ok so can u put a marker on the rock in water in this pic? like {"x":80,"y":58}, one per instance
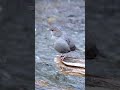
{"x":70,"y":66}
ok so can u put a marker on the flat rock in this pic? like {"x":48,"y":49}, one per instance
{"x":70,"y":66}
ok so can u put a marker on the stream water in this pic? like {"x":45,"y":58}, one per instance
{"x":69,"y":15}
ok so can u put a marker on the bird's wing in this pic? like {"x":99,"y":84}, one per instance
{"x":70,"y":42}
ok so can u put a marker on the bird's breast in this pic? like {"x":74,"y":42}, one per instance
{"x":61,"y":46}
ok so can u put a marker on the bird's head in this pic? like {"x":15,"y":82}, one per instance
{"x":56,"y":32}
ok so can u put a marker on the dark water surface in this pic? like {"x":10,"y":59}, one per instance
{"x":70,"y":17}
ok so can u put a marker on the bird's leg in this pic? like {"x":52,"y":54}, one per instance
{"x":62,"y":56}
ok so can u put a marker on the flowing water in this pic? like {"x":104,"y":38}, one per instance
{"x":69,"y":15}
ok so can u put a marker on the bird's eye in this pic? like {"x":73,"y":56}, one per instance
{"x":52,"y":30}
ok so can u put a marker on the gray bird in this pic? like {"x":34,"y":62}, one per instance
{"x":62,"y":42}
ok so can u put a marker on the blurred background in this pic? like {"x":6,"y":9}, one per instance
{"x":69,"y":16}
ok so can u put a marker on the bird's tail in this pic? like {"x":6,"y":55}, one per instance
{"x":79,"y":49}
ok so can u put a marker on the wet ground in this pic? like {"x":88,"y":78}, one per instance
{"x":70,"y":17}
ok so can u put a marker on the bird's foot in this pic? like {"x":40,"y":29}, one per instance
{"x":62,"y":57}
